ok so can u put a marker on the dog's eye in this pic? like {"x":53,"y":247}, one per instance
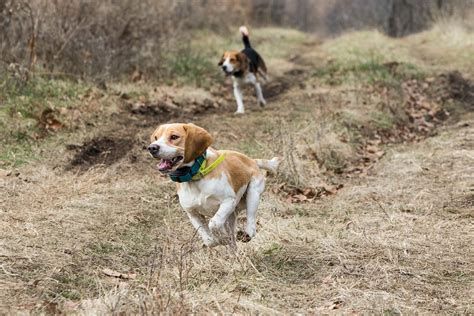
{"x":156,"y":138}
{"x":174,"y":137}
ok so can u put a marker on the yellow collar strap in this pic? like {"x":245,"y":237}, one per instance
{"x":204,"y":171}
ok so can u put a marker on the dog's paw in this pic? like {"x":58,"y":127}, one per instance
{"x":262,"y":103}
{"x":216,"y":229}
{"x":209,"y":242}
{"x":239,"y":113}
{"x":243,"y":236}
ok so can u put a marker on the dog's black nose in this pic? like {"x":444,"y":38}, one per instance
{"x":224,"y":67}
{"x":153,"y":149}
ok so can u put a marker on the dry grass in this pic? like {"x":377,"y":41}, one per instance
{"x":395,"y":240}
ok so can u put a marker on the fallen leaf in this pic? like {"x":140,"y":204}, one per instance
{"x":49,"y":121}
{"x":335,"y":305}
{"x":116,"y":274}
{"x":300,"y":197}
{"x":379,"y":153}
{"x":372,"y":149}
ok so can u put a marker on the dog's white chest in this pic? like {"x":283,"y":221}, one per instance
{"x":204,"y":196}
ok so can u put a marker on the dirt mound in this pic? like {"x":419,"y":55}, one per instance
{"x":459,"y":88}
{"x":171,"y":102}
{"x":99,"y":151}
{"x":275,"y":88}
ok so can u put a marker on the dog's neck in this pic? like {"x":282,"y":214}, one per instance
{"x":186,"y":173}
{"x":238,"y":74}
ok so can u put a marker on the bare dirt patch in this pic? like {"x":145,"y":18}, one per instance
{"x":277,"y":87}
{"x":99,"y":151}
{"x":166,"y":103}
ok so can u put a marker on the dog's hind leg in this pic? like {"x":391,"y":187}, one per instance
{"x":258,"y":89}
{"x":254,"y":191}
{"x":251,"y":78}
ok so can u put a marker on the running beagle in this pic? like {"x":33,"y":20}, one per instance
{"x":212,"y":184}
{"x":244,"y":67}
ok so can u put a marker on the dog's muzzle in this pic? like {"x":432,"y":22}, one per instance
{"x":226,"y":70}
{"x":154,"y":150}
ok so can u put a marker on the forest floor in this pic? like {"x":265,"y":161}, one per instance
{"x":372,"y":210}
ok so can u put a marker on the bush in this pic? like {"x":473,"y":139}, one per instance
{"x":101,"y":39}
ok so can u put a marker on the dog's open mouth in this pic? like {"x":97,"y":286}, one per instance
{"x":167,"y":164}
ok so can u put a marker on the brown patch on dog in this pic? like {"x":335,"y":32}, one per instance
{"x":238,"y":168}
{"x":175,"y":134}
{"x":243,"y":62}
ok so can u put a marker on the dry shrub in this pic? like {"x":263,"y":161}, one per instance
{"x":100,"y":39}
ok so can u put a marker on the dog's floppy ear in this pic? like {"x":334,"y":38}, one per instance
{"x":221,"y":61}
{"x":243,"y":60}
{"x":197,"y":141}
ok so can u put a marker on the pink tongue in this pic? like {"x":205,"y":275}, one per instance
{"x":165,"y":164}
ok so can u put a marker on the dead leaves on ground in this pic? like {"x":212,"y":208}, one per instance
{"x":423,"y":112}
{"x":49,"y":122}
{"x":424,"y":115}
{"x":119,"y":275}
{"x":295,"y":194}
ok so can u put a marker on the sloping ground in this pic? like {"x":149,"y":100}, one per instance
{"x":372,"y":211}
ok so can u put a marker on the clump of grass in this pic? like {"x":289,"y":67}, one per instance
{"x":331,"y":153}
{"x":383,"y":120}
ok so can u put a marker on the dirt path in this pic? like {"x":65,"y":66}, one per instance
{"x":93,"y":228}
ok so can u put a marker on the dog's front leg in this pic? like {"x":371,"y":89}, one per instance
{"x":198,"y":223}
{"x":217,"y":222}
{"x":238,"y":97}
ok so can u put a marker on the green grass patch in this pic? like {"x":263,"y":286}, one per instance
{"x":188,"y":67}
{"x":27,"y":99}
{"x":21,"y":105}
{"x":15,"y":155}
{"x":383,"y":120}
{"x":372,"y":72}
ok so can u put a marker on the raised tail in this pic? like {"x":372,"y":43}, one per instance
{"x":270,"y":165}
{"x":245,"y":36}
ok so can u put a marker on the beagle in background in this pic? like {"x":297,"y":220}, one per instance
{"x":212,"y":184}
{"x":244,"y":67}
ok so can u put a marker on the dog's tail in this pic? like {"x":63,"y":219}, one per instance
{"x":245,"y":36}
{"x":270,"y":165}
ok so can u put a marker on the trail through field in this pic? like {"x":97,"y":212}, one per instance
{"x":371,"y":212}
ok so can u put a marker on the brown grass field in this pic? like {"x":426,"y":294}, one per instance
{"x":372,"y":211}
